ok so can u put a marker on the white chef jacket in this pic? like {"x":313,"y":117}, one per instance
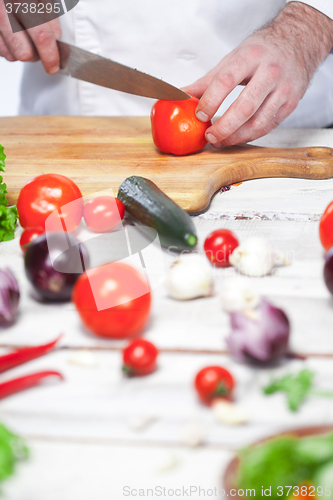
{"x":177,"y":40}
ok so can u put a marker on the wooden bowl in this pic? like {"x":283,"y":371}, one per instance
{"x":230,"y":474}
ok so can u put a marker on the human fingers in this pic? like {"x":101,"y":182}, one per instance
{"x":18,"y":44}
{"x":232,"y":73}
{"x":272,"y":112}
{"x":4,"y":50}
{"x":245,"y":107}
{"x":44,"y":39}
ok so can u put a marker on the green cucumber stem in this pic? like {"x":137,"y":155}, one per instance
{"x":191,"y":240}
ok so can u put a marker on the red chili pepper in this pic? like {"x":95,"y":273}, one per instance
{"x":22,"y":383}
{"x":24,"y":355}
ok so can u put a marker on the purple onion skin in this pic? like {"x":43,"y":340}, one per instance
{"x":328,"y":270}
{"x":9,"y":296}
{"x":52,"y":284}
{"x":261,"y":341}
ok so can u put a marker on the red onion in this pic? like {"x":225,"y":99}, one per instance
{"x":328,"y":270}
{"x":9,"y":296}
{"x":53,"y":263}
{"x":261,"y":336}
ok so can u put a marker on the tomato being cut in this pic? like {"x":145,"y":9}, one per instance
{"x":113,"y":300}
{"x":30,"y":234}
{"x":176,"y":129}
{"x":139,"y":357}
{"x":326,"y":227}
{"x":214,"y":382}
{"x":103,"y":213}
{"x":45,"y":194}
{"x":219,"y":245}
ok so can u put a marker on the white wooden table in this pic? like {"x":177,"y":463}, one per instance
{"x":84,"y":434}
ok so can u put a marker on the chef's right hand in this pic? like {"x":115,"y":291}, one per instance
{"x":32,"y":44}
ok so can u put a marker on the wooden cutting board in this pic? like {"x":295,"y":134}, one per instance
{"x":99,"y":153}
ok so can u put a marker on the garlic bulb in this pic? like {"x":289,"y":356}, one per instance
{"x":189,"y":277}
{"x":255,"y":257}
{"x":237,"y":294}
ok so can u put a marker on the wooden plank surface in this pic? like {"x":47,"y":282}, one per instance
{"x":99,"y":153}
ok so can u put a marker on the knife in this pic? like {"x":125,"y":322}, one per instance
{"x":92,"y":68}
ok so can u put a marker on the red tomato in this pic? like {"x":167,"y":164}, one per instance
{"x":175,"y":127}
{"x":213,"y":382}
{"x":219,"y":245}
{"x":326,"y":227}
{"x":29,"y":235}
{"x":139,"y":357}
{"x":44,"y":194}
{"x":103,"y":213}
{"x":113,"y":300}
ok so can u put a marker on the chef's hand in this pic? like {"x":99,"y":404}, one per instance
{"x":32,"y":44}
{"x":275,"y":64}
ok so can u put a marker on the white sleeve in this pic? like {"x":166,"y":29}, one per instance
{"x":324,"y":6}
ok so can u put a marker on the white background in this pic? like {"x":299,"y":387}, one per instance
{"x":10,"y":77}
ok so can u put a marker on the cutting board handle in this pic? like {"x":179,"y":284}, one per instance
{"x":259,"y":163}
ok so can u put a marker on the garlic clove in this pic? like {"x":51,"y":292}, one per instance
{"x":194,"y":434}
{"x":84,"y":358}
{"x":254,"y":257}
{"x":238,"y":294}
{"x":140,"y":422}
{"x":228,"y":413}
{"x":189,"y":277}
{"x":169,"y":462}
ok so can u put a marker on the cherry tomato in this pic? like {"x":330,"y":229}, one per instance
{"x":113,"y":300}
{"x":175,"y":127}
{"x":139,"y":357}
{"x":326,"y":227}
{"x":219,"y":245}
{"x":213,"y":382}
{"x":103,"y":213}
{"x":29,"y":235}
{"x":45,"y":194}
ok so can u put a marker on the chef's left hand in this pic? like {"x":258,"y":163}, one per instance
{"x":275,"y":64}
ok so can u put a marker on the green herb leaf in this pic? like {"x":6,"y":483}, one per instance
{"x":265,"y":467}
{"x":8,"y":215}
{"x":2,"y":158}
{"x":296,"y":387}
{"x":12,"y":449}
{"x":285,"y":460}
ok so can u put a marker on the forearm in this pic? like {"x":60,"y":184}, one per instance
{"x":304,"y":30}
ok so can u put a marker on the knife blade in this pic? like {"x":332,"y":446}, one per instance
{"x":84,"y":65}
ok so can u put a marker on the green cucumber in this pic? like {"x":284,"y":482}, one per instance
{"x":149,"y":207}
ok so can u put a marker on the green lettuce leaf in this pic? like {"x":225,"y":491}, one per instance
{"x":8,"y":215}
{"x":12,"y":449}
